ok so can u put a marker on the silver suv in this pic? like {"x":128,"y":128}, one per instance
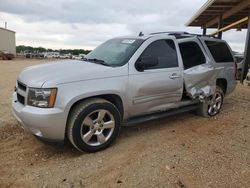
{"x":124,"y":81}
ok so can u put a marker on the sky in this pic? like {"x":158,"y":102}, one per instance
{"x":84,"y":24}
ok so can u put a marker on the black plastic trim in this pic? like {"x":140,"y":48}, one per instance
{"x":162,"y":114}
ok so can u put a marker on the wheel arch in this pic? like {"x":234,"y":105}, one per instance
{"x":113,"y":98}
{"x":222,"y":82}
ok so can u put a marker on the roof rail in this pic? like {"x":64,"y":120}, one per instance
{"x":181,"y":34}
{"x":170,"y":32}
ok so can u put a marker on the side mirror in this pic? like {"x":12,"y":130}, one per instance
{"x":145,"y":62}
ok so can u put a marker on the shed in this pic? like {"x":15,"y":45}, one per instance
{"x":224,"y":15}
{"x":7,"y":40}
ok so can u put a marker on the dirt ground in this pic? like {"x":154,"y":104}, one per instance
{"x":182,"y":151}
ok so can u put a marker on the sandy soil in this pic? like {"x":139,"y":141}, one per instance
{"x":181,"y":151}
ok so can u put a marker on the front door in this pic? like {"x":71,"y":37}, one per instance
{"x":158,"y":87}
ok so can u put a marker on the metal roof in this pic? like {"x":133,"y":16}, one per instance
{"x":230,"y":10}
{"x":1,"y":28}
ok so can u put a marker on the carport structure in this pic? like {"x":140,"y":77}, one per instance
{"x":224,"y":15}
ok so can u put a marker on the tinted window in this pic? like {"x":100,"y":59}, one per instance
{"x":219,"y":51}
{"x":191,"y":54}
{"x":164,"y":51}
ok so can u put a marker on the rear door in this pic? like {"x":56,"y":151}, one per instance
{"x":158,"y":87}
{"x":221,"y":57}
{"x":199,"y":74}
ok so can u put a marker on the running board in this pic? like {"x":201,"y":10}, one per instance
{"x":159,"y":115}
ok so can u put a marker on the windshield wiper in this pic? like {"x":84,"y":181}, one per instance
{"x":98,"y":61}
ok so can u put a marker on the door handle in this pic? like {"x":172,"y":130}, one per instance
{"x":174,"y":76}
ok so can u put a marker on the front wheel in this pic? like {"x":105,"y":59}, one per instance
{"x":93,"y":125}
{"x":212,"y":105}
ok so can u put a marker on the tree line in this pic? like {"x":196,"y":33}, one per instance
{"x":22,"y":48}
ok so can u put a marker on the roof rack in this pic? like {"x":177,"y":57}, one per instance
{"x":169,"y":32}
{"x":180,"y":34}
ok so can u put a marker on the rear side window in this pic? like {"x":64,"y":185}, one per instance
{"x":164,"y":51}
{"x":191,"y":54}
{"x":219,"y":51}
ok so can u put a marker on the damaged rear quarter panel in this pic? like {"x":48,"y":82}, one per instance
{"x":200,"y":81}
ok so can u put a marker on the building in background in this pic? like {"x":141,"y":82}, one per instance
{"x":7,"y":40}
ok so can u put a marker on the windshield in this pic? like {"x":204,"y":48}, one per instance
{"x":115,"y":52}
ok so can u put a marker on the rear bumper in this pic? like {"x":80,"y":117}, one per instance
{"x":46,"y":123}
{"x":248,"y":79}
{"x":231,"y":87}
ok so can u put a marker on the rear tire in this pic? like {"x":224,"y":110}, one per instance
{"x":93,"y":125}
{"x":213,"y":105}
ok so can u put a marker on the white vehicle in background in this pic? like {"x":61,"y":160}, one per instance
{"x":51,"y":54}
{"x":47,"y":54}
{"x":239,"y":61}
{"x":82,"y":55}
{"x":65,"y":56}
{"x":55,"y":54}
{"x":248,"y":78}
{"x":79,"y":57}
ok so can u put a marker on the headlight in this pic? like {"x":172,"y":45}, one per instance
{"x":43,"y":98}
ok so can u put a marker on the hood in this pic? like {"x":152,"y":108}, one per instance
{"x":60,"y":72}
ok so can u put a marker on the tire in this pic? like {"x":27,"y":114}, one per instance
{"x":93,"y":125}
{"x":213,"y":105}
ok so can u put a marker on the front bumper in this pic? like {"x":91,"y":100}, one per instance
{"x":46,"y":123}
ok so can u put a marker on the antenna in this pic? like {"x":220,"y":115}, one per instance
{"x":5,"y":25}
{"x":140,"y":34}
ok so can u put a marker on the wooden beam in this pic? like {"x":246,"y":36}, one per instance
{"x":240,"y":26}
{"x":241,"y":21}
{"x":235,"y":9}
{"x":221,"y":6}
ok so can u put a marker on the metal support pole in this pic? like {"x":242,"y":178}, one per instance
{"x":204,"y":31}
{"x":246,"y":61}
{"x":220,"y":25}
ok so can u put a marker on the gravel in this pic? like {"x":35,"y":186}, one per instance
{"x":181,"y":151}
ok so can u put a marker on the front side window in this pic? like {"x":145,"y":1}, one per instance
{"x":219,"y":51}
{"x":164,"y":51}
{"x":191,"y":54}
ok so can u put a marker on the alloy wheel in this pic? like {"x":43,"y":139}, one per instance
{"x":97,"y":127}
{"x":215,"y":103}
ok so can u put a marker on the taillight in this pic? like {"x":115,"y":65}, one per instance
{"x":235,"y":71}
